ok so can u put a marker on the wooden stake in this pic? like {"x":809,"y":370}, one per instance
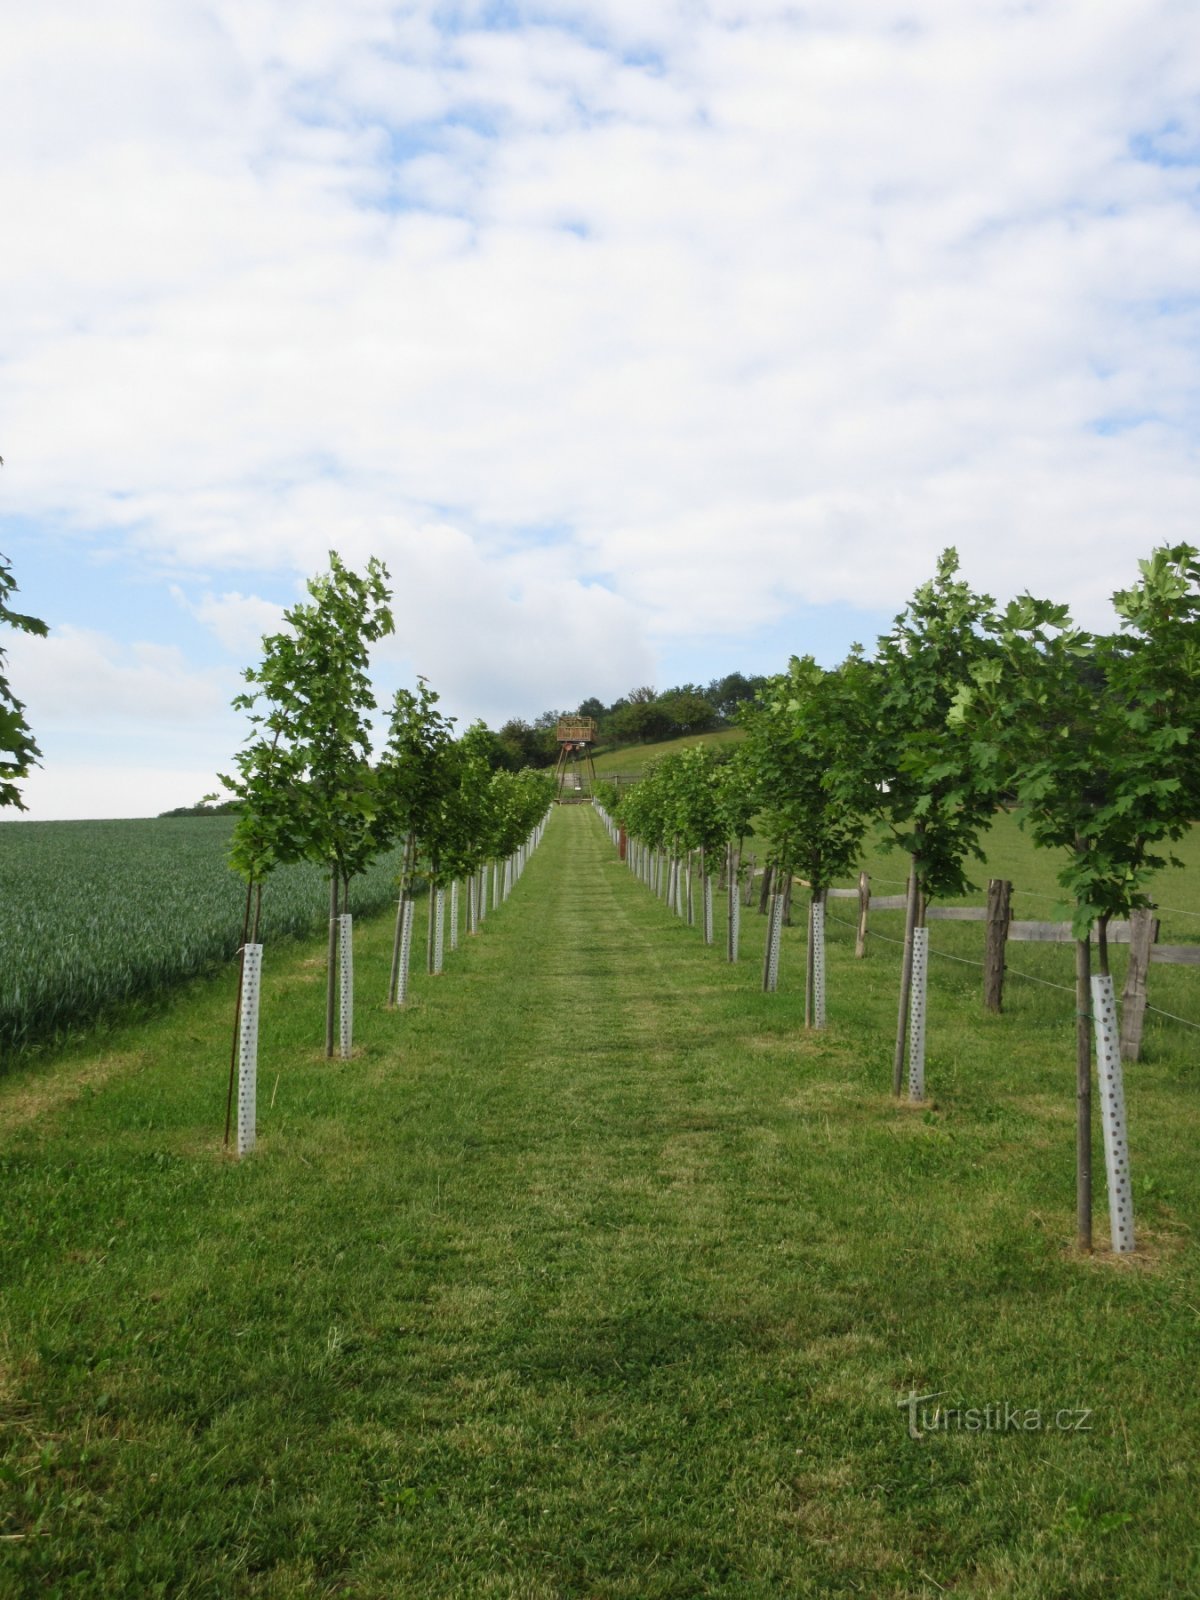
{"x":1143,"y":934}
{"x":999,"y":915}
{"x":864,"y":905}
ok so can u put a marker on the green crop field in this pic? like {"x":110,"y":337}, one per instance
{"x":592,"y":1276}
{"x":95,"y":915}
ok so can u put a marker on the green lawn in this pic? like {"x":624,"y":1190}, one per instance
{"x":593,"y":1276}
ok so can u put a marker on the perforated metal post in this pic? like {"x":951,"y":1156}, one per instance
{"x":708,"y":908}
{"x":248,"y":1048}
{"x":439,"y":931}
{"x":346,"y":974}
{"x":916,"y":1014}
{"x":733,"y":926}
{"x":774,"y":941}
{"x":454,"y":915}
{"x":406,"y":933}
{"x":1112,"y":1112}
{"x":507,"y":878}
{"x":818,"y":938}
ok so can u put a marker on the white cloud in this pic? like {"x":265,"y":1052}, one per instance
{"x":736,"y":307}
{"x":238,"y":621}
{"x":76,"y":678}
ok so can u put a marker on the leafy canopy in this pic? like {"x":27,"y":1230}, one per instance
{"x":304,"y":777}
{"x":1097,"y":733}
{"x":18,"y":748}
{"x":809,"y":759}
{"x":935,"y":798}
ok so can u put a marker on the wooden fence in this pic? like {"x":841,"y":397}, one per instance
{"x":1140,"y":933}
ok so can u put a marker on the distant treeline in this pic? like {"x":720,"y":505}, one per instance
{"x":639,"y":717}
{"x":642,"y":716}
{"x":205,"y":808}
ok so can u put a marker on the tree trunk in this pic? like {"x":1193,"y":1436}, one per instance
{"x":1083,"y":1093}
{"x":810,"y":954}
{"x":765,"y":892}
{"x":331,"y":960}
{"x":237,"y":1008}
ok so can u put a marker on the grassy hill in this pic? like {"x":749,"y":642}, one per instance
{"x":634,"y":758}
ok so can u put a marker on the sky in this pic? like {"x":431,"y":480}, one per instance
{"x":643,"y":340}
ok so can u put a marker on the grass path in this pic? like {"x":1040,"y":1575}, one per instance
{"x":589,"y":1276}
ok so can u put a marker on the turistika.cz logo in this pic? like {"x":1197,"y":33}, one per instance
{"x":999,"y":1416}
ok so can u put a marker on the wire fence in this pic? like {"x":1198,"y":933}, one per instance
{"x":1010,"y":972}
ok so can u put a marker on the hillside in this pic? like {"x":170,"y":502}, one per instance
{"x":634,"y":758}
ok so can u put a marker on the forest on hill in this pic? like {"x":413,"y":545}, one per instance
{"x":642,"y":716}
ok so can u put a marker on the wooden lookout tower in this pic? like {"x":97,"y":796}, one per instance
{"x":576,"y":736}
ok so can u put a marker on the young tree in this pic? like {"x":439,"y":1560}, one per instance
{"x":415,"y":777}
{"x":811,"y":760}
{"x":1099,"y":736}
{"x":305,"y":777}
{"x":934,"y":798}
{"x":18,"y":748}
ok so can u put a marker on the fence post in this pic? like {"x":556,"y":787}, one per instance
{"x":1143,"y":932}
{"x":864,"y":905}
{"x":999,"y":915}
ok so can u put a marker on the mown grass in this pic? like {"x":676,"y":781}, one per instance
{"x":591,"y":1275}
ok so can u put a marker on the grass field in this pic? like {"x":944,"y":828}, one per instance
{"x":97,"y":915}
{"x":634,"y":758}
{"x":591,"y":1276}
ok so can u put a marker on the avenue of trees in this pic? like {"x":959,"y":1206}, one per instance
{"x":309,"y":790}
{"x":1095,"y":737}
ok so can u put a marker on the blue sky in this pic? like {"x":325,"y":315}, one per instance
{"x":643,"y":339}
